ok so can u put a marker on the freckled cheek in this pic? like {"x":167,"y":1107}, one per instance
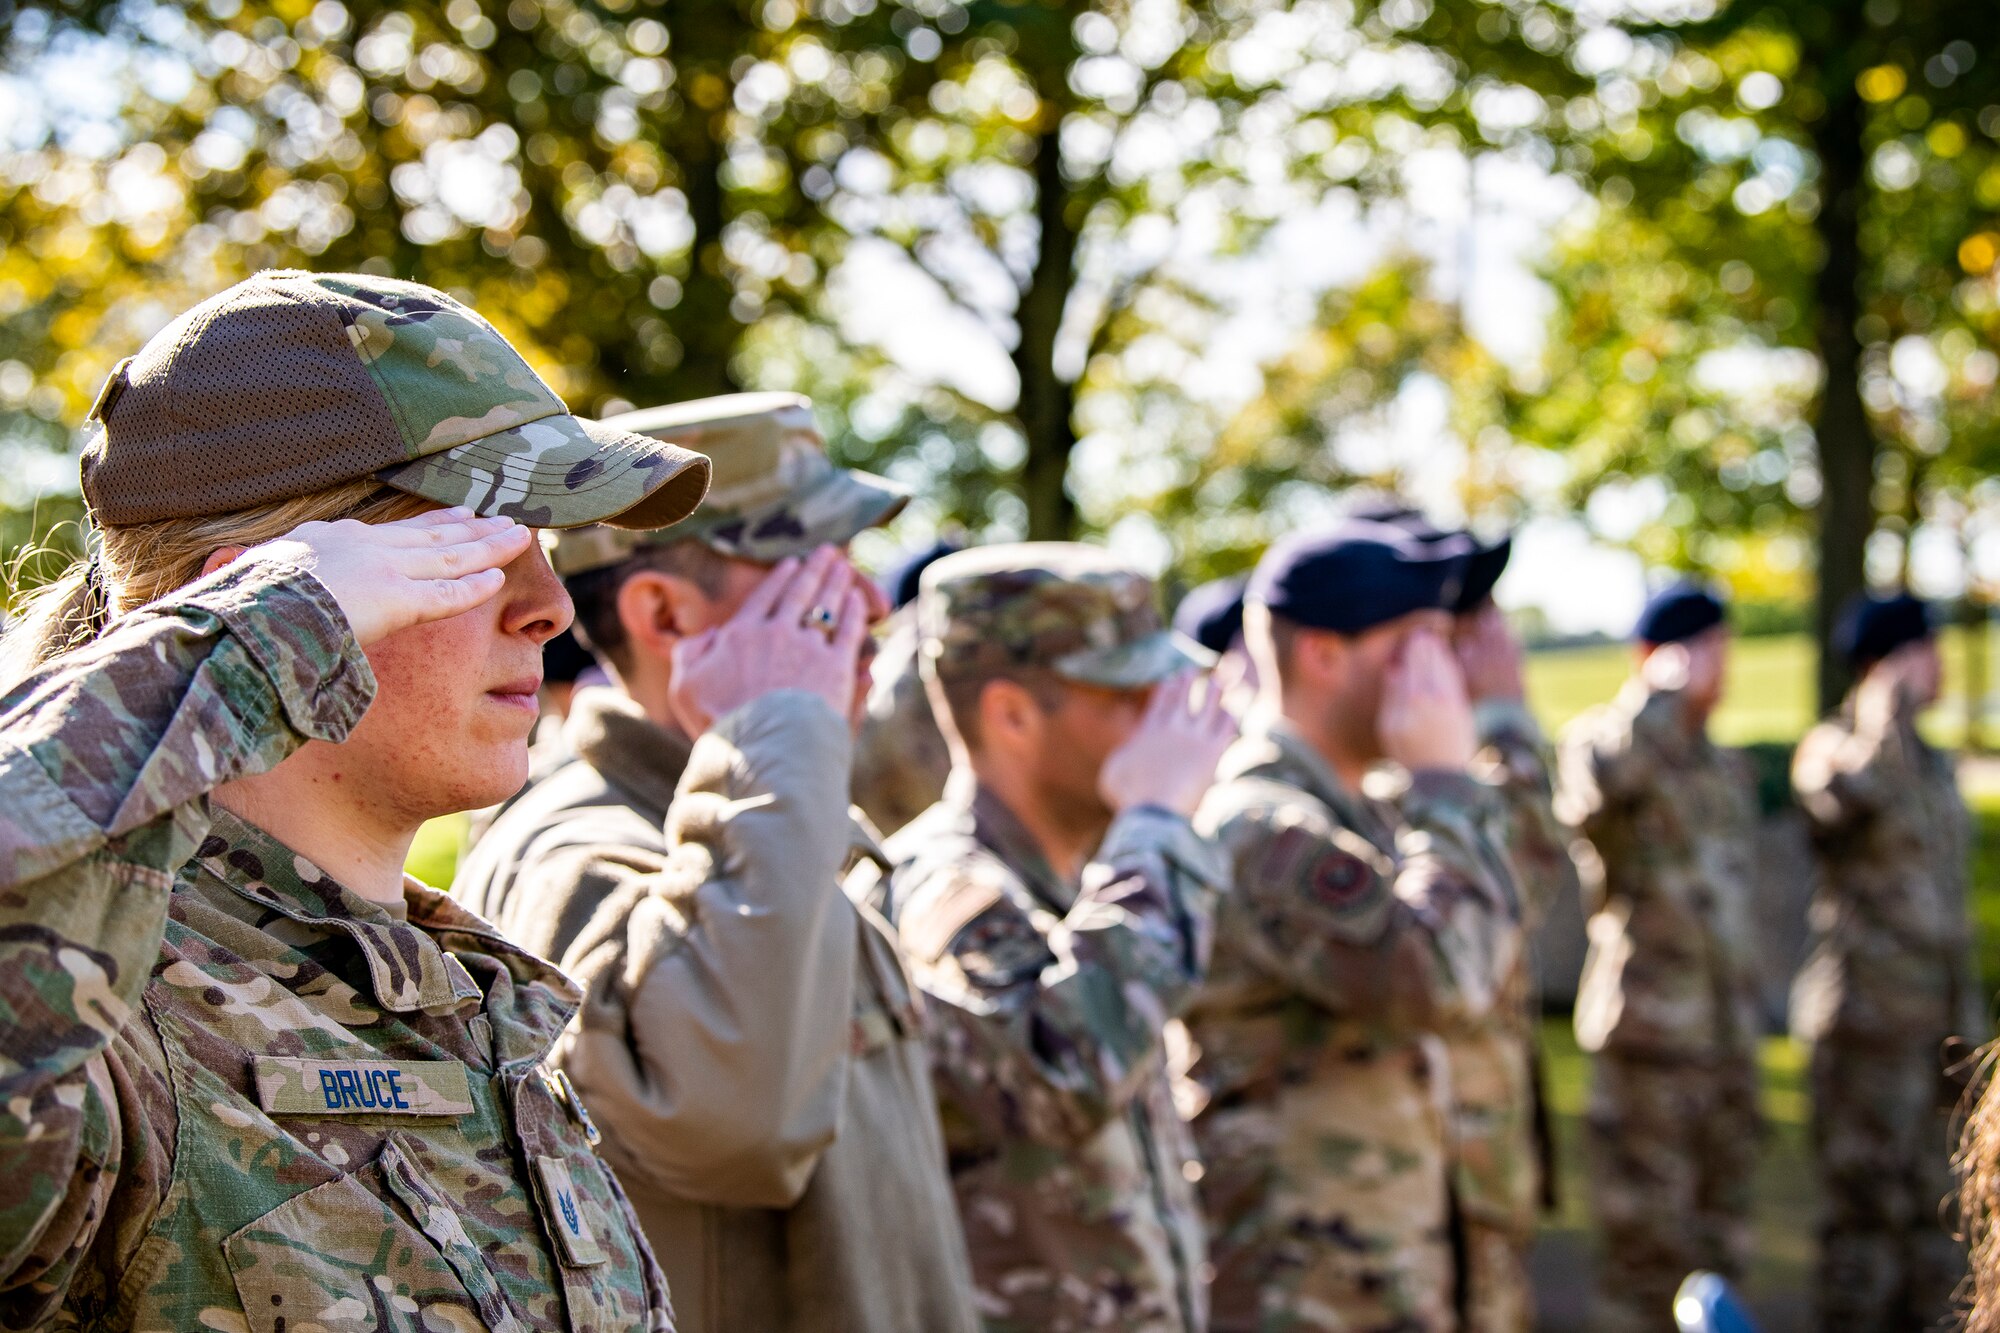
{"x":428,"y":692}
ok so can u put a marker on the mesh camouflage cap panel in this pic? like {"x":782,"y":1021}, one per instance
{"x":775,"y":492}
{"x":1067,"y":607}
{"x":291,"y":383}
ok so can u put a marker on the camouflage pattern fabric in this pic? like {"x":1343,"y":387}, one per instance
{"x":1497,"y":1160}
{"x":1360,"y":926}
{"x":1668,"y":999}
{"x":1672,"y":1147}
{"x":1882,"y":1132}
{"x":1888,"y":981}
{"x":775,"y":493}
{"x":1071,"y":608}
{"x":900,"y":758}
{"x":482,"y":429}
{"x":160,"y":953}
{"x":1047,"y":1001}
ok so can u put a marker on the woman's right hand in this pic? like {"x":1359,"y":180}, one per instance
{"x":390,"y":576}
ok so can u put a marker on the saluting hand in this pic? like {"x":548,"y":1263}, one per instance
{"x":1425,"y":720}
{"x":1489,"y":655}
{"x":1170,"y":759}
{"x":779,"y":639}
{"x":390,"y":576}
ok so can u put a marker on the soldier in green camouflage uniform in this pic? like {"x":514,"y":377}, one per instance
{"x":1362,"y":923}
{"x":242,"y":1095}
{"x":1668,"y":999}
{"x":1889,"y":980}
{"x":1055,"y":906}
{"x":1499,"y":1144}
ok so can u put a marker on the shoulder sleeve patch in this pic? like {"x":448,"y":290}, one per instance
{"x":935,"y":913}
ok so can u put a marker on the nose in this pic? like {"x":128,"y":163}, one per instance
{"x":533,"y":601}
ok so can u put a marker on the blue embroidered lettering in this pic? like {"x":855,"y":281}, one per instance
{"x":329,"y":1088}
{"x":396,"y":1089}
{"x":350,"y":1088}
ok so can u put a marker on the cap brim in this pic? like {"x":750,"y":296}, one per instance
{"x":1135,"y":665}
{"x":832,"y":511}
{"x":562,"y":472}
{"x":1482,"y":573}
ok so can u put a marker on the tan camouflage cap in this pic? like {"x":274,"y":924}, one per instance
{"x":1071,"y":608}
{"x":291,"y":383}
{"x":775,"y":492}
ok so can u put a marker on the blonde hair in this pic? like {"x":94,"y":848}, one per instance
{"x":1979,"y":1194}
{"x":143,"y":562}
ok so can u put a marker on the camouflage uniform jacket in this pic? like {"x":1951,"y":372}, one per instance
{"x":1890,"y":956}
{"x":750,"y":1043}
{"x":900,"y":757}
{"x":1049,"y":1001}
{"x":1671,"y":822}
{"x":239,"y":1096}
{"x":1359,"y":927}
{"x":1497,"y":1164}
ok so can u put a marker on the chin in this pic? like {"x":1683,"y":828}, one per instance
{"x":483,"y":777}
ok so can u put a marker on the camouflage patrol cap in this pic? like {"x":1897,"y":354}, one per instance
{"x":775,"y":492}
{"x":292,"y":383}
{"x":1071,"y":608}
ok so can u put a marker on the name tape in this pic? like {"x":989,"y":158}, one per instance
{"x":362,"y":1087}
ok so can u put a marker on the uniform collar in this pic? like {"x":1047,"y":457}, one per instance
{"x":1273,"y":749}
{"x":609,"y":731}
{"x":409,"y":972}
{"x":996,"y":828}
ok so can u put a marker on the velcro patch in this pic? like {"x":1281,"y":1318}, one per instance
{"x":565,"y":1213}
{"x":1337,"y":878}
{"x":361,"y":1087}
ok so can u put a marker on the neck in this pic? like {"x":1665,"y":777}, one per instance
{"x":1313,"y":723}
{"x":650,"y":682}
{"x":1065,"y":835}
{"x":363,"y":849}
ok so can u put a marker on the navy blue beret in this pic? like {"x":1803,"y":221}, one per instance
{"x":1483,"y":566}
{"x":1678,"y":611}
{"x":1359,"y":574}
{"x":900,"y":580}
{"x":1212,"y":614}
{"x":1870,"y":628}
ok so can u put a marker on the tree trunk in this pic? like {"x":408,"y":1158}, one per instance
{"x":1847,"y":443}
{"x":704,"y":39}
{"x":1972,"y":628}
{"x":1047,"y":400}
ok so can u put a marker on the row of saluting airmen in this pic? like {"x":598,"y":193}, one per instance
{"x":1190,"y":995}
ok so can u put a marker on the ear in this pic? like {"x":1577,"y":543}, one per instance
{"x":1320,"y":656}
{"x":219,"y":557}
{"x":658,"y":610}
{"x":1009,"y":717}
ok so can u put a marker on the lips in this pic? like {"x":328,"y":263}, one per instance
{"x":518,"y":693}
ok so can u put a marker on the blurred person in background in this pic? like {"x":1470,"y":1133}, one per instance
{"x":1056,"y":907}
{"x":1502,"y":1154}
{"x":900,"y":758}
{"x":1888,"y":1002}
{"x":1372,"y":906}
{"x":1668,"y":1002}
{"x":1212,"y":615}
{"x":257,"y":1076}
{"x":749,"y":1044}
